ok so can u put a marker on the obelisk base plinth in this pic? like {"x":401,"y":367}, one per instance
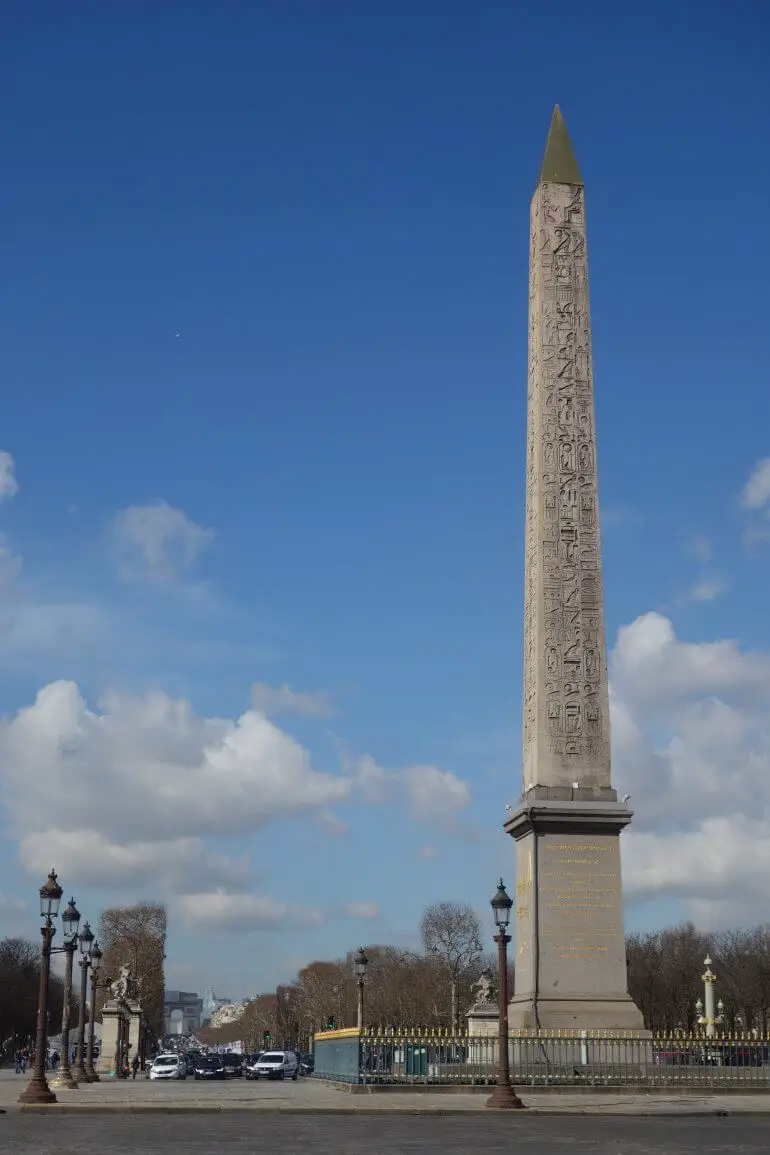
{"x":568,"y":925}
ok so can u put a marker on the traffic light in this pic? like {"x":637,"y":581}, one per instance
{"x":330,"y":1023}
{"x":266,"y":1038}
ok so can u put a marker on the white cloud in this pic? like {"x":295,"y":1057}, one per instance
{"x":691,"y":741}
{"x":176,"y":866}
{"x":365,"y":910}
{"x":756,"y":492}
{"x":156,"y":541}
{"x":133,"y":788}
{"x":429,"y":852}
{"x":435,"y":795}
{"x":218,"y":910}
{"x":274,"y":701}
{"x":9,"y":486}
{"x":707,"y":589}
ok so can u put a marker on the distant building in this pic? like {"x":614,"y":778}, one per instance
{"x":182,"y":1012}
{"x":211,"y":1004}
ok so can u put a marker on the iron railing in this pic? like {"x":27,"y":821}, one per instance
{"x":537,"y":1059}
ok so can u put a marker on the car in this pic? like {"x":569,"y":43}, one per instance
{"x":191,"y":1058}
{"x":209,"y":1067}
{"x":275,"y":1065}
{"x":306,"y":1064}
{"x":233,"y":1065}
{"x":168,"y":1067}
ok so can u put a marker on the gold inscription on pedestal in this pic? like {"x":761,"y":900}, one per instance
{"x":579,"y":897}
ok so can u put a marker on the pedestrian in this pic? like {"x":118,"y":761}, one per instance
{"x":18,"y":1062}
{"x":135,"y":1064}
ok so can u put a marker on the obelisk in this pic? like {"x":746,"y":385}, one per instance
{"x":570,"y":947}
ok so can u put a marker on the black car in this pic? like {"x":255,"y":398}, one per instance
{"x":209,"y":1067}
{"x":233,"y":1065}
{"x":306,"y":1064}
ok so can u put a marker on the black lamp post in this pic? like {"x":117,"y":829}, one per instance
{"x":85,"y":938}
{"x":70,"y":922}
{"x":503,"y":1094}
{"x":360,"y":963}
{"x":38,"y":1090}
{"x":95,"y":956}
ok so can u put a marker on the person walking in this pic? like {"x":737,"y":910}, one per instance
{"x":134,"y":1064}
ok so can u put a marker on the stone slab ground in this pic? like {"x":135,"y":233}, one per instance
{"x":307,"y":1096}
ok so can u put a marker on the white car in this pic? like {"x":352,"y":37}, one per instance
{"x":275,"y":1065}
{"x":168,"y":1067}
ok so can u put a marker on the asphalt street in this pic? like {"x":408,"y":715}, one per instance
{"x":113,"y":1134}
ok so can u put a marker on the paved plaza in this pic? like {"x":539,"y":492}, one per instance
{"x":309,"y":1096}
{"x":239,"y":1134}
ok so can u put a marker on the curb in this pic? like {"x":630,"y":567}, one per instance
{"x":431,"y":1112}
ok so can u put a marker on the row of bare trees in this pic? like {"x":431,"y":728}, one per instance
{"x":433,"y":987}
{"x":665,"y":968}
{"x":404,"y":988}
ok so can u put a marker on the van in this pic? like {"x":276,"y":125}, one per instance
{"x":275,"y":1065}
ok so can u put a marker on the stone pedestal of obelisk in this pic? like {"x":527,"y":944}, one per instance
{"x":570,"y":948}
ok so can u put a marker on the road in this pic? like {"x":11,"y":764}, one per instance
{"x":113,"y":1134}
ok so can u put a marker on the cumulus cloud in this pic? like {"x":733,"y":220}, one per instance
{"x":428,"y":852}
{"x":365,"y":910}
{"x":691,"y":741}
{"x":756,"y":492}
{"x":156,"y":541}
{"x":275,"y":701}
{"x":433,"y":795}
{"x":136,"y":786}
{"x":176,"y":866}
{"x":9,"y":486}
{"x":219,"y":910}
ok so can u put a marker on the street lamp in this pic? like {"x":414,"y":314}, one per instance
{"x":96,"y":961}
{"x":503,"y":1095}
{"x":85,"y":938}
{"x":360,"y":963}
{"x":38,"y":1090}
{"x":70,"y":922}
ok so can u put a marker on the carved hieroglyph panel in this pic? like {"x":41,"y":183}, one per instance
{"x":566,"y":723}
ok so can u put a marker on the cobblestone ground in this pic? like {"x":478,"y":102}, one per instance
{"x":116,"y":1134}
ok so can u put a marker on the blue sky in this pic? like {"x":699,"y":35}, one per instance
{"x":263,"y":353}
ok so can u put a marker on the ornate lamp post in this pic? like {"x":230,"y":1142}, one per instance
{"x":95,"y":956}
{"x":710,"y":1020}
{"x":70,"y":922}
{"x":360,"y":963}
{"x":85,"y":938}
{"x":38,"y":1090}
{"x":503,"y":1095}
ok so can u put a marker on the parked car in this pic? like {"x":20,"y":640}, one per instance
{"x":209,"y":1067}
{"x":306,"y":1064}
{"x":168,"y":1067}
{"x":233,"y":1065}
{"x":275,"y":1065}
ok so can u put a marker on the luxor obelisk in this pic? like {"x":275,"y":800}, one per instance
{"x":570,"y":948}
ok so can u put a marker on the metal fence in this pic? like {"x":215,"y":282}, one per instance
{"x":566,"y":1059}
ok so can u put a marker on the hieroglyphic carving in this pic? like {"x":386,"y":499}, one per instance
{"x":566,"y":704}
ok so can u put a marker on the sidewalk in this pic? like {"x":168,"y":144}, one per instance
{"x":310,"y":1097}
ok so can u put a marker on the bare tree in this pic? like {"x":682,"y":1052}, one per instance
{"x":137,"y":935}
{"x":451,"y":933}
